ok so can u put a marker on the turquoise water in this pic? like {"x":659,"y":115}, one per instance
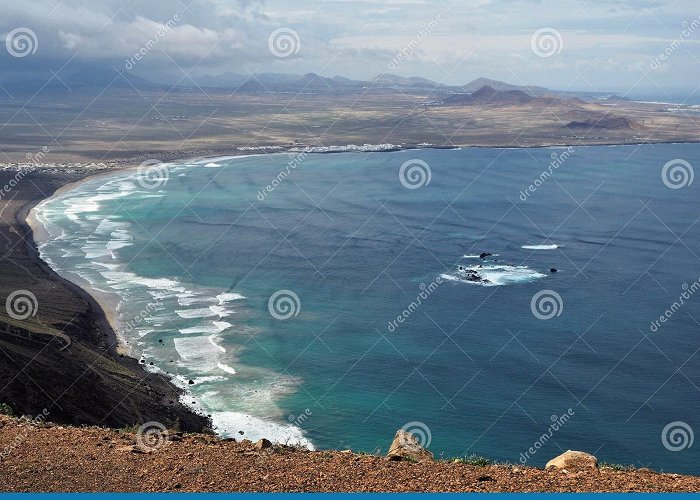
{"x":344,"y":248}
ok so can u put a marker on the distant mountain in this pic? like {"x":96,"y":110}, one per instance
{"x":488,"y":95}
{"x":278,"y":82}
{"x":479,"y":83}
{"x":81,"y":78}
{"x":111,"y":78}
{"x":224,"y":80}
{"x":388,"y":80}
{"x":479,"y":91}
{"x":618,"y":98}
{"x":312,"y":82}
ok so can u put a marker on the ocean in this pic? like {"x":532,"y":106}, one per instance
{"x":329,"y":300}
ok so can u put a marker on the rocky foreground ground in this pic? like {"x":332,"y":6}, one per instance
{"x":38,"y":456}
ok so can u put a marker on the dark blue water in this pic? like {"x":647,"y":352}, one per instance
{"x":471,"y":368}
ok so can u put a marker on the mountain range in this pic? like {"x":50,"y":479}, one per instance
{"x":310,"y":83}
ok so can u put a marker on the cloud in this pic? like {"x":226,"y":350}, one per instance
{"x":604,"y":41}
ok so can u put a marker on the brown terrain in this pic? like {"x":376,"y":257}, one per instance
{"x":94,"y":124}
{"x":48,"y":457}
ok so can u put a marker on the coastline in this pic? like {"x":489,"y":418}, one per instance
{"x":105,"y":306}
{"x":26,"y":218}
{"x":100,"y":301}
{"x":498,"y":477}
{"x":83,"y":381}
{"x":100,"y":304}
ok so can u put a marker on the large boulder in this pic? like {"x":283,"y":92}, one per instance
{"x":407,"y":447}
{"x":573,"y":461}
{"x":262,"y":444}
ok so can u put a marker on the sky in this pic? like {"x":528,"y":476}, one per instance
{"x":611,"y":45}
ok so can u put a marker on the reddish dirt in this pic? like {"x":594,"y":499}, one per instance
{"x":49,"y":457}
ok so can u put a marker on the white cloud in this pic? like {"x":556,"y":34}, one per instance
{"x":605,"y":40}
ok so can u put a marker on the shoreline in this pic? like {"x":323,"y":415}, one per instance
{"x":100,"y":301}
{"x":105,"y":305}
{"x":94,"y":383}
{"x":126,"y":162}
{"x":105,"y":309}
{"x":26,"y":219}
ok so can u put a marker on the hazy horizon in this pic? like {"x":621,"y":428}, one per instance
{"x":618,"y":46}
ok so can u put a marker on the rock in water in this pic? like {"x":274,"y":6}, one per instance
{"x":407,"y":447}
{"x":573,"y":460}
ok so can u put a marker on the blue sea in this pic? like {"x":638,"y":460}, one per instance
{"x":329,"y":300}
